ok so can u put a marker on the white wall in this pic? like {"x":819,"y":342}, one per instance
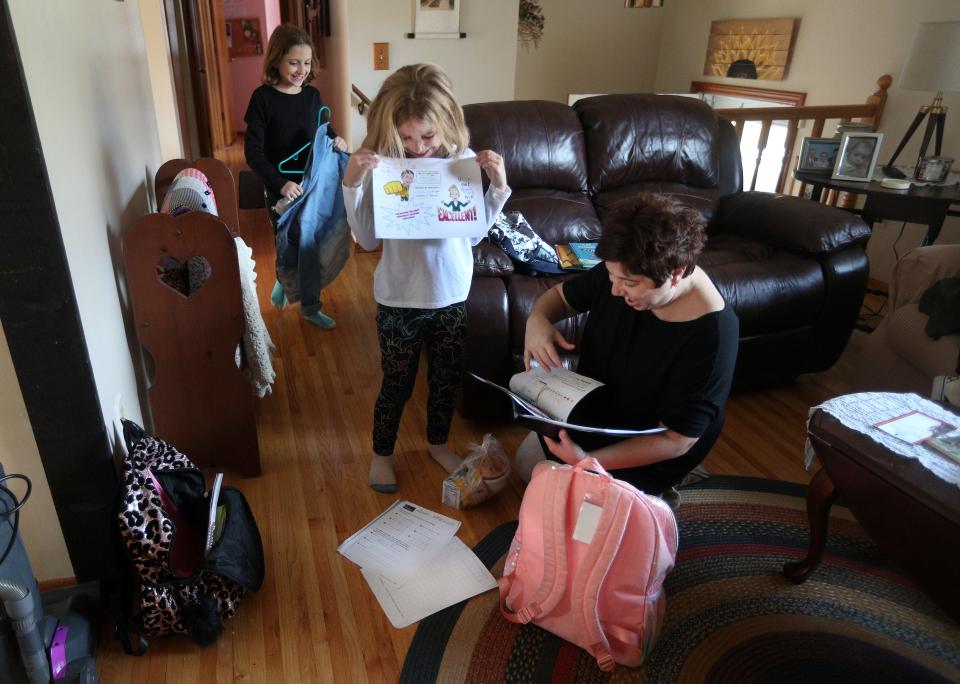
{"x":482,"y":65}
{"x":590,"y":47}
{"x":89,"y":84}
{"x":833,"y":65}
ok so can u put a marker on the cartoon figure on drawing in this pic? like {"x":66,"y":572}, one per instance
{"x":856,"y":162}
{"x":455,"y":204}
{"x":402,"y":186}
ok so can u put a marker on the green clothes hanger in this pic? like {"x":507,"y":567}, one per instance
{"x":296,"y":155}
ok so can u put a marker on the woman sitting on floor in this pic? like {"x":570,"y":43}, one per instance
{"x":658,"y":333}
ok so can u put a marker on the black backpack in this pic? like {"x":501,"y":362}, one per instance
{"x":173,"y":583}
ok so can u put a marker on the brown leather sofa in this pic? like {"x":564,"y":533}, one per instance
{"x":795,"y":271}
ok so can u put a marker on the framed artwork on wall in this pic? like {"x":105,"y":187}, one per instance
{"x":750,"y":48}
{"x":436,"y":19}
{"x":244,"y":38}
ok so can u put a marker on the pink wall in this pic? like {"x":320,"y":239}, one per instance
{"x":245,"y":71}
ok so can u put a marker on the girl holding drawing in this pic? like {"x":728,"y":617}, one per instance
{"x":282,"y":119}
{"x":420,"y":285}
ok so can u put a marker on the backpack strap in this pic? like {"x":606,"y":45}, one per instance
{"x":594,"y":568}
{"x":554,"y":581}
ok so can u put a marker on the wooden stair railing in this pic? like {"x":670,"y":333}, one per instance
{"x":363,"y":103}
{"x":869,"y":112}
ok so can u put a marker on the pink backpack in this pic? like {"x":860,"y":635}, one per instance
{"x":588,"y":561}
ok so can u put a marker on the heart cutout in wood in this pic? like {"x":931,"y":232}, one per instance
{"x":184,"y":278}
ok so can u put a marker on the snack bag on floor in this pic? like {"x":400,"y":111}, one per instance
{"x":482,"y":475}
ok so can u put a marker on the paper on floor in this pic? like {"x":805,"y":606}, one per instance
{"x":455,"y":575}
{"x":400,"y":541}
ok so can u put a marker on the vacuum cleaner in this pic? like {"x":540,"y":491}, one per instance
{"x":46,"y":638}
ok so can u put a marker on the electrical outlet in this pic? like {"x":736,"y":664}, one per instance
{"x":381,"y":56}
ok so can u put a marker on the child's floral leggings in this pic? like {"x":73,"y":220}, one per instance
{"x":402,"y":334}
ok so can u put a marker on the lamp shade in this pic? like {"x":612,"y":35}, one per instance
{"x":934,"y":61}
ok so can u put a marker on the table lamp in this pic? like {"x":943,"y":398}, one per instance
{"x":933,"y":64}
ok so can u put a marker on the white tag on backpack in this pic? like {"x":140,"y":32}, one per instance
{"x":587,"y":522}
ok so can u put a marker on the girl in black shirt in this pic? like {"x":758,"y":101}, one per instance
{"x":282,"y":118}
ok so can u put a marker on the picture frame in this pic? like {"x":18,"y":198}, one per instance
{"x":818,"y":155}
{"x":436,"y":19}
{"x":857,"y":157}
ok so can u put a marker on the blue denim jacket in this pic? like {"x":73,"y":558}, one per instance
{"x":313,"y":238}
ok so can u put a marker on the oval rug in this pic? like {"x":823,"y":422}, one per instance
{"x":730,"y":615}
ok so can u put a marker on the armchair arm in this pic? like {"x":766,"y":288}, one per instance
{"x":919,"y":269}
{"x":789,"y":222}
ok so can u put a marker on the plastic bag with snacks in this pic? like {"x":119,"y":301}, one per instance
{"x":482,"y":475}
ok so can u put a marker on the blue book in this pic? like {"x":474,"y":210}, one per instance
{"x":586,"y":253}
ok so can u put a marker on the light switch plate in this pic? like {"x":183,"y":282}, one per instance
{"x":381,"y":56}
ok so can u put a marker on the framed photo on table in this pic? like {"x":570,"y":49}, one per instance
{"x":858,"y":156}
{"x":818,"y":154}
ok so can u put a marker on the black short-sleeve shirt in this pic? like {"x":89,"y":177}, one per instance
{"x":675,"y":373}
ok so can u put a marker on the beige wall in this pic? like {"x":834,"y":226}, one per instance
{"x":39,"y":526}
{"x":833,"y":65}
{"x":95,"y":113}
{"x":161,"y":78}
{"x":482,"y":65}
{"x":595,"y":46}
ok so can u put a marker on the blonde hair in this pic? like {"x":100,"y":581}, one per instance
{"x":416,"y":91}
{"x":283,"y":39}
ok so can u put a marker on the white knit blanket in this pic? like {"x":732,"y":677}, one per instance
{"x":258,"y":348}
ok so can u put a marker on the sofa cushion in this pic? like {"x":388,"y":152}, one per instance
{"x":541,"y":142}
{"x":770,"y":289}
{"x":491,"y":261}
{"x":703,"y":200}
{"x":636,"y":138}
{"x":558,"y":217}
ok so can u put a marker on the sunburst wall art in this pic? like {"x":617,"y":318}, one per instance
{"x":750,"y":48}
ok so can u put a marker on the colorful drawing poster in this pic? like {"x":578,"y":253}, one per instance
{"x":415,"y":199}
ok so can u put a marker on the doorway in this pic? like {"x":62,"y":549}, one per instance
{"x":217,"y":51}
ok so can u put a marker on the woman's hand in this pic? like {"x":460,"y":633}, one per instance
{"x":492,"y":164}
{"x":339,"y":144}
{"x":565,"y":448}
{"x":360,"y":163}
{"x":291,"y":190}
{"x":540,"y":342}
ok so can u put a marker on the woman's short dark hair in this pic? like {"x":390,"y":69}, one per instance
{"x":652,"y":236}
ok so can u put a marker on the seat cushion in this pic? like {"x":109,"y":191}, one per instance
{"x":770,"y":289}
{"x":557,"y":216}
{"x":703,"y":200}
{"x":906,"y":337}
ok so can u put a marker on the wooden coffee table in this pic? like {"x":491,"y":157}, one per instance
{"x":912,"y":514}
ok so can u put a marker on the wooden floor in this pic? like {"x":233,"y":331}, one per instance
{"x":315,"y":620}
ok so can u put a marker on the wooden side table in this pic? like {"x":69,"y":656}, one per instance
{"x":927,"y":205}
{"x":912,"y":515}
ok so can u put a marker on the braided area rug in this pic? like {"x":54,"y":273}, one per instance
{"x":730,"y":614}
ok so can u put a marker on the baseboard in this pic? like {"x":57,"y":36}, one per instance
{"x":57,"y":583}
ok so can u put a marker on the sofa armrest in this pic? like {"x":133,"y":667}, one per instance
{"x":489,"y":260}
{"x":791,"y":223}
{"x":919,"y":269}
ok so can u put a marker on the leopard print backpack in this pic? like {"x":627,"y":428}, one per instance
{"x":174,"y":584}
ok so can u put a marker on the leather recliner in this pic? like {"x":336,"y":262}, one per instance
{"x":795,"y":271}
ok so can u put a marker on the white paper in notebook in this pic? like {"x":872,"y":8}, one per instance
{"x":454,"y":575}
{"x":399,"y":541}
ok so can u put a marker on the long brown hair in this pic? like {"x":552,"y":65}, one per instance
{"x":416,"y":91}
{"x":284,"y":38}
